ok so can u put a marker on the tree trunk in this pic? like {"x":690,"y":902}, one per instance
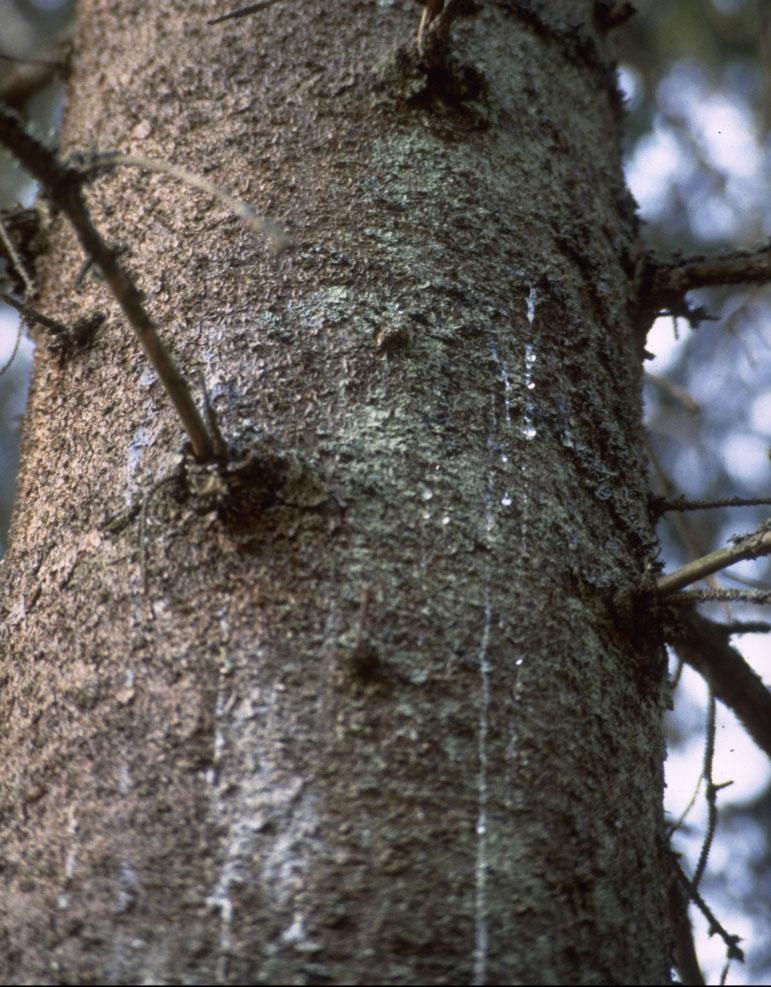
{"x":383,"y":722}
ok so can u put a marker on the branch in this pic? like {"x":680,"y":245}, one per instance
{"x":704,"y":645}
{"x":661,"y":505}
{"x":738,"y":267}
{"x":751,"y":546}
{"x":63,"y":184}
{"x":747,"y":627}
{"x":662,"y":287}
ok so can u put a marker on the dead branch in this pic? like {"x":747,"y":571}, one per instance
{"x":661,"y":505}
{"x":738,"y":267}
{"x":705,"y":645}
{"x":661,"y":286}
{"x":63,"y":184}
{"x":752,"y":546}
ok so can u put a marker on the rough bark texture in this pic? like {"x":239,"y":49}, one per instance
{"x":389,"y":726}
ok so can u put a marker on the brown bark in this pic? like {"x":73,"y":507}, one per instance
{"x":385,"y":726}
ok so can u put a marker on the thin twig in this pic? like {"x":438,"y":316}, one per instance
{"x":683,"y":529}
{"x":252,"y":8}
{"x":63,"y":184}
{"x":678,"y":824}
{"x":690,"y":596}
{"x":243,"y":210}
{"x":711,"y":792}
{"x":25,"y":309}
{"x":752,"y":546}
{"x":678,"y":674}
{"x":18,"y":264}
{"x":678,"y":394}
{"x":17,"y":60}
{"x":686,"y":961}
{"x":15,"y":349}
{"x":220,"y":445}
{"x":732,"y":949}
{"x":681,"y":504}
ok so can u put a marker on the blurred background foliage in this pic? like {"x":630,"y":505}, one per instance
{"x":697,"y":78}
{"x":33,"y":47}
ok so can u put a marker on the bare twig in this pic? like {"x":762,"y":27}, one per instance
{"x":732,"y":942}
{"x":18,"y":264}
{"x":65,"y":338}
{"x":25,"y":309}
{"x":746,"y":627}
{"x":752,"y":546}
{"x":662,"y":505}
{"x":63,"y":184}
{"x":680,"y":821}
{"x":711,"y":792}
{"x":16,"y":344}
{"x":679,"y":521}
{"x":689,"y":596}
{"x":241,"y":209}
{"x":686,"y":961}
{"x":678,"y":394}
{"x":252,"y":8}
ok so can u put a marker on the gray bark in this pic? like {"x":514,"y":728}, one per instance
{"x":387,"y":725}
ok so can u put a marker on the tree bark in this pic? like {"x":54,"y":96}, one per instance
{"x":384,"y":723}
